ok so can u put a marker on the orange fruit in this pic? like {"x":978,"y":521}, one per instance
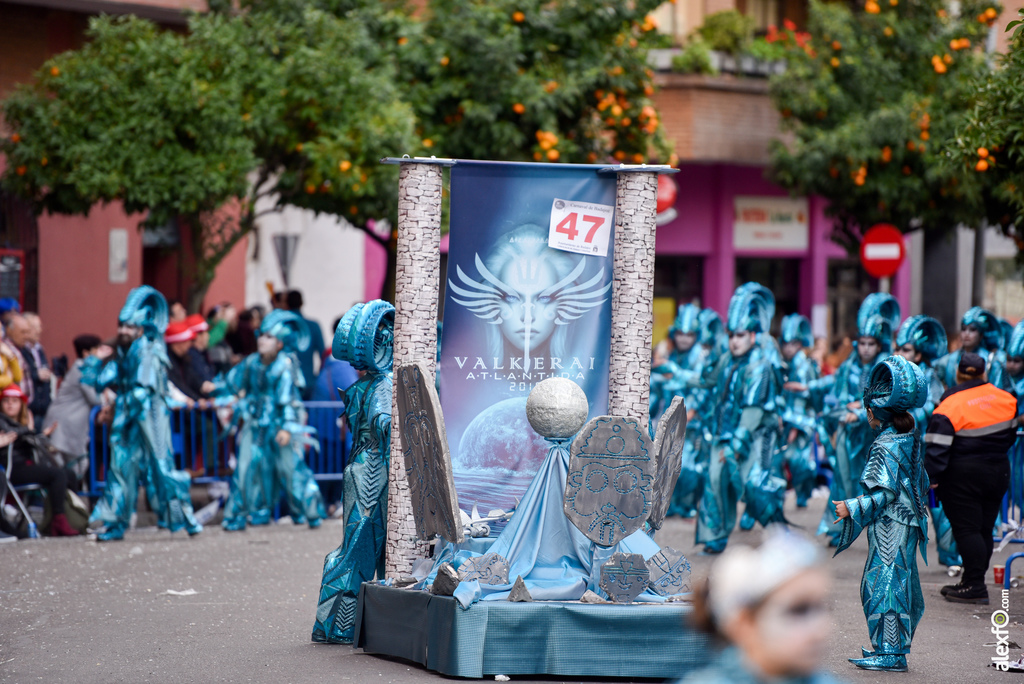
{"x":15,"y":138}
{"x":648,"y":90}
{"x":871,"y":7}
{"x":989,"y":13}
{"x":537,"y":156}
{"x":894,"y":2}
{"x":518,"y":108}
{"x":834,"y":62}
{"x":310,"y":189}
{"x":921,"y":148}
{"x":626,"y":121}
{"x":553,"y":155}
{"x":947,"y":58}
{"x":939,"y":67}
{"x":345,"y":165}
{"x":298,"y":147}
{"x":551,"y":86}
{"x":836,"y":45}
{"x":619,"y":154}
{"x":518,"y":17}
{"x":925,"y":135}
{"x":941,"y":14}
{"x":888,"y":31}
{"x":859,"y":180}
{"x":44,"y":161}
{"x":833,"y":171}
{"x":982,"y":19}
{"x":591,"y":157}
{"x":54,"y":71}
{"x":427,"y":142}
{"x":21,"y":170}
{"x":403,"y":40}
{"x":982,"y":165}
{"x":445,"y":60}
{"x":982,"y":152}
{"x":886,"y":154}
{"x":906,"y":170}
{"x":911,"y":146}
{"x":353,"y":210}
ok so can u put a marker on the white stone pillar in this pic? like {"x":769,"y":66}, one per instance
{"x":636,"y":206}
{"x":416,"y":287}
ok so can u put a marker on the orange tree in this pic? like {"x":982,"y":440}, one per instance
{"x":242,"y":115}
{"x":534,"y":80}
{"x":987,"y":152}
{"x":868,"y":104}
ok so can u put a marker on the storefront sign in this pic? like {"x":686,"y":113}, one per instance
{"x":770,"y":224}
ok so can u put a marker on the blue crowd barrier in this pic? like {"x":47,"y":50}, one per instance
{"x":203,"y":447}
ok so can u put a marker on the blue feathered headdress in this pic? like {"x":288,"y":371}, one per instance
{"x":926,"y":335}
{"x":712,"y":331}
{"x":796,"y":328}
{"x":1015,"y":349}
{"x":751,"y":308}
{"x":288,"y":327}
{"x":878,"y":304}
{"x":687,"y":320}
{"x":985,"y":321}
{"x":895,"y":386}
{"x":146,"y":308}
{"x":365,"y":336}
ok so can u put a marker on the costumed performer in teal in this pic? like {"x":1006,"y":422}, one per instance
{"x":273,"y":436}
{"x":921,"y":340}
{"x":843,"y":429}
{"x":769,"y":607}
{"x":894,"y":513}
{"x":364,"y":338}
{"x":798,"y":419}
{"x":1015,"y":374}
{"x":686,"y":359}
{"x":140,"y":436}
{"x":980,"y":333}
{"x":745,"y":424}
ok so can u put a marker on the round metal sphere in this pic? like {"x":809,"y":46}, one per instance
{"x":557,"y":408}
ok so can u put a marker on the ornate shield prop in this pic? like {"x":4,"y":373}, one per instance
{"x":608,"y":491}
{"x":428,"y":463}
{"x":625,"y":577}
{"x":668,"y":458}
{"x":489,"y":568}
{"x":670,"y":572}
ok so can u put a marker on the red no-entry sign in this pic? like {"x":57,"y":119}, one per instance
{"x":882,"y":250}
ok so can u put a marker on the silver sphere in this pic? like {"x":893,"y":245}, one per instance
{"x":557,"y":408}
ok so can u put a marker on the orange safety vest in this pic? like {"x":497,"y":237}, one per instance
{"x":979,"y":411}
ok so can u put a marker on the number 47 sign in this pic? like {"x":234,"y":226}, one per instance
{"x":581,"y":227}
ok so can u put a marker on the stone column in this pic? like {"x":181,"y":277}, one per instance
{"x":416,"y":288}
{"x":629,"y":377}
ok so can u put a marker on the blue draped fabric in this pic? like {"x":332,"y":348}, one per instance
{"x":732,"y":667}
{"x":271,"y":401}
{"x":556,"y":561}
{"x":140,"y":441}
{"x":893,"y":511}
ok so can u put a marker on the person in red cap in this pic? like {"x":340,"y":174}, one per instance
{"x":15,"y":434}
{"x":180,"y":337}
{"x":199,"y":354}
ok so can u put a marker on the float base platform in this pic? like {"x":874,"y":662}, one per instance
{"x":568,"y":639}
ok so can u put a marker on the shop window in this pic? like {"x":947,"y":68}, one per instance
{"x":781,"y":276}
{"x":679,"y":278}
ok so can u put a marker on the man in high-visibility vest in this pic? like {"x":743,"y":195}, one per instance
{"x":968,"y":437}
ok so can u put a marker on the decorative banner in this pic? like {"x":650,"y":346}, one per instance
{"x":517,"y":312}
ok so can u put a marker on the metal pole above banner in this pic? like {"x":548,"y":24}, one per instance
{"x":636,"y":208}
{"x":418,"y":260}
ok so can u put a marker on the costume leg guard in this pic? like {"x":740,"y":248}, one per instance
{"x":763,"y":492}
{"x":716,"y":514}
{"x":345,"y":569}
{"x":891,"y":589}
{"x":173,"y":487}
{"x":120,"y":493}
{"x":948,"y":555}
{"x":305,"y":501}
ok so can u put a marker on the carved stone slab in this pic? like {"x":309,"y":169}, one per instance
{"x":428,"y":462}
{"x":625,"y":577}
{"x":519,"y":593}
{"x":668,"y":458}
{"x":670,"y":572}
{"x":446,"y":581}
{"x":489,"y":568}
{"x":609,"y":488}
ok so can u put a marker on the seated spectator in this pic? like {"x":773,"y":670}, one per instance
{"x":181,"y":374}
{"x":17,"y":337}
{"x":243,"y":338}
{"x":68,"y":415}
{"x":15,"y":430}
{"x":177,"y":311}
{"x":38,"y":368}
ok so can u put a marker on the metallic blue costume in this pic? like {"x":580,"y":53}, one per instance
{"x":745,"y":426}
{"x":894,"y":513}
{"x":670,"y":379}
{"x":364,"y":338}
{"x":140,"y":436}
{"x":1015,"y":350}
{"x":927,"y":337}
{"x":991,"y":350}
{"x":797,"y":413}
{"x":846,"y":444}
{"x":271,"y":401}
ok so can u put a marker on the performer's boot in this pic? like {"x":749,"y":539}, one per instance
{"x":747,"y":522}
{"x":885,"y":662}
{"x":715,"y":547}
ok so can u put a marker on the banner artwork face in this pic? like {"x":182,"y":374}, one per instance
{"x":518,"y":311}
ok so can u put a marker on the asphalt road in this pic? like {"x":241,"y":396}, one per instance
{"x":77,"y":611}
